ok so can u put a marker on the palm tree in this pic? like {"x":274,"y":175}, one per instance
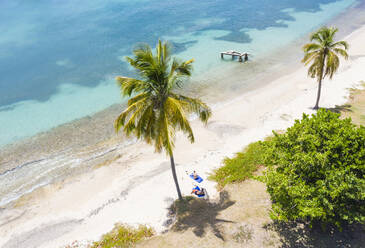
{"x":156,"y":112}
{"x":322,"y":53}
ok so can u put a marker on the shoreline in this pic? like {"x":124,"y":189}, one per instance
{"x":66,"y":206}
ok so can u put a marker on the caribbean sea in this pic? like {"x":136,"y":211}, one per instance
{"x":58,"y":59}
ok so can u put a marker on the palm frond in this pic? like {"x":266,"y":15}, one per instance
{"x":342,"y":52}
{"x":314,"y":70}
{"x":164,"y":133}
{"x":143,"y":95}
{"x":180,"y":68}
{"x":341,"y":44}
{"x":196,"y":106}
{"x":311,"y":47}
{"x":178,"y":72}
{"x":129,"y":86}
{"x":332,"y":64}
{"x":308,"y":57}
{"x":163,"y":52}
{"x":332,"y":32}
{"x":146,"y":125}
{"x":137,"y":106}
{"x":185,"y":68}
{"x":178,"y":117}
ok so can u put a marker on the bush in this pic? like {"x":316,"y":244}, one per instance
{"x":318,"y":171}
{"x":123,"y":236}
{"x":242,"y":166}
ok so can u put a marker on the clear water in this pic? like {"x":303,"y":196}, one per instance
{"x":58,"y":58}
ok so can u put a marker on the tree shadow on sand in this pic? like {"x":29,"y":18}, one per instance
{"x":300,"y":235}
{"x":340,"y":108}
{"x":199,"y":214}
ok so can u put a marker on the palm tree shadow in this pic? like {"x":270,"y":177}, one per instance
{"x":198,"y":214}
{"x":300,"y":235}
{"x":340,"y":108}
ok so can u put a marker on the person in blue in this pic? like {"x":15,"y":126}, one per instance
{"x":195,"y":175}
{"x":198,"y":191}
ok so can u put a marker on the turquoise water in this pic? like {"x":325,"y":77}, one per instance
{"x":58,"y":58}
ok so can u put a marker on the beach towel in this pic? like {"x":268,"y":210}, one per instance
{"x":198,"y":179}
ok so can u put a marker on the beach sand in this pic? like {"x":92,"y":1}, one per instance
{"x":138,"y":187}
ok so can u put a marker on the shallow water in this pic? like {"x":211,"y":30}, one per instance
{"x":59,"y":58}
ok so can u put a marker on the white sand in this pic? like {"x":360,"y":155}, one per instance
{"x":139,"y":187}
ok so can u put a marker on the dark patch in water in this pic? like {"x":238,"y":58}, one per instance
{"x":80,"y":45}
{"x":240,"y":37}
{"x":179,"y":47}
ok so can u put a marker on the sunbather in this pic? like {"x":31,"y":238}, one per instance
{"x":198,"y":191}
{"x":195,"y":175}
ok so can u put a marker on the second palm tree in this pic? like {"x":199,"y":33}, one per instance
{"x":322,"y":52}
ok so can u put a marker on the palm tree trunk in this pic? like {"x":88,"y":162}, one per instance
{"x":318,"y":93}
{"x":174,"y":176}
{"x":320,"y":84}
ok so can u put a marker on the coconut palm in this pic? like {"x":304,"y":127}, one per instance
{"x":155,"y":112}
{"x":322,"y":53}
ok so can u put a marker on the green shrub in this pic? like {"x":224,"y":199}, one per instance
{"x":123,"y":236}
{"x":318,"y":171}
{"x":242,"y":166}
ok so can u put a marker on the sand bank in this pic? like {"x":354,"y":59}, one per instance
{"x":138,"y":187}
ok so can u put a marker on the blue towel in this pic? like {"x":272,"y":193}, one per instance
{"x":198,"y":179}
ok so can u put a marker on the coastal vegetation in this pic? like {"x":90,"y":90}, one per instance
{"x":322,"y":53}
{"x":317,"y":170}
{"x":155,"y":112}
{"x":242,"y":166}
{"x":123,"y":236}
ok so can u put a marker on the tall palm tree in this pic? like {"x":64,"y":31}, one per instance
{"x":322,"y":53}
{"x":155,"y":112}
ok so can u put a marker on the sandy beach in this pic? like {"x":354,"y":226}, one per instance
{"x":138,"y":187}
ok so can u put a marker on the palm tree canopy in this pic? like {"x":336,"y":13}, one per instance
{"x":156,"y":112}
{"x":323,"y":53}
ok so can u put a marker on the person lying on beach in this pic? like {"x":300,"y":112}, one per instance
{"x":195,"y":175}
{"x":197,"y":191}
